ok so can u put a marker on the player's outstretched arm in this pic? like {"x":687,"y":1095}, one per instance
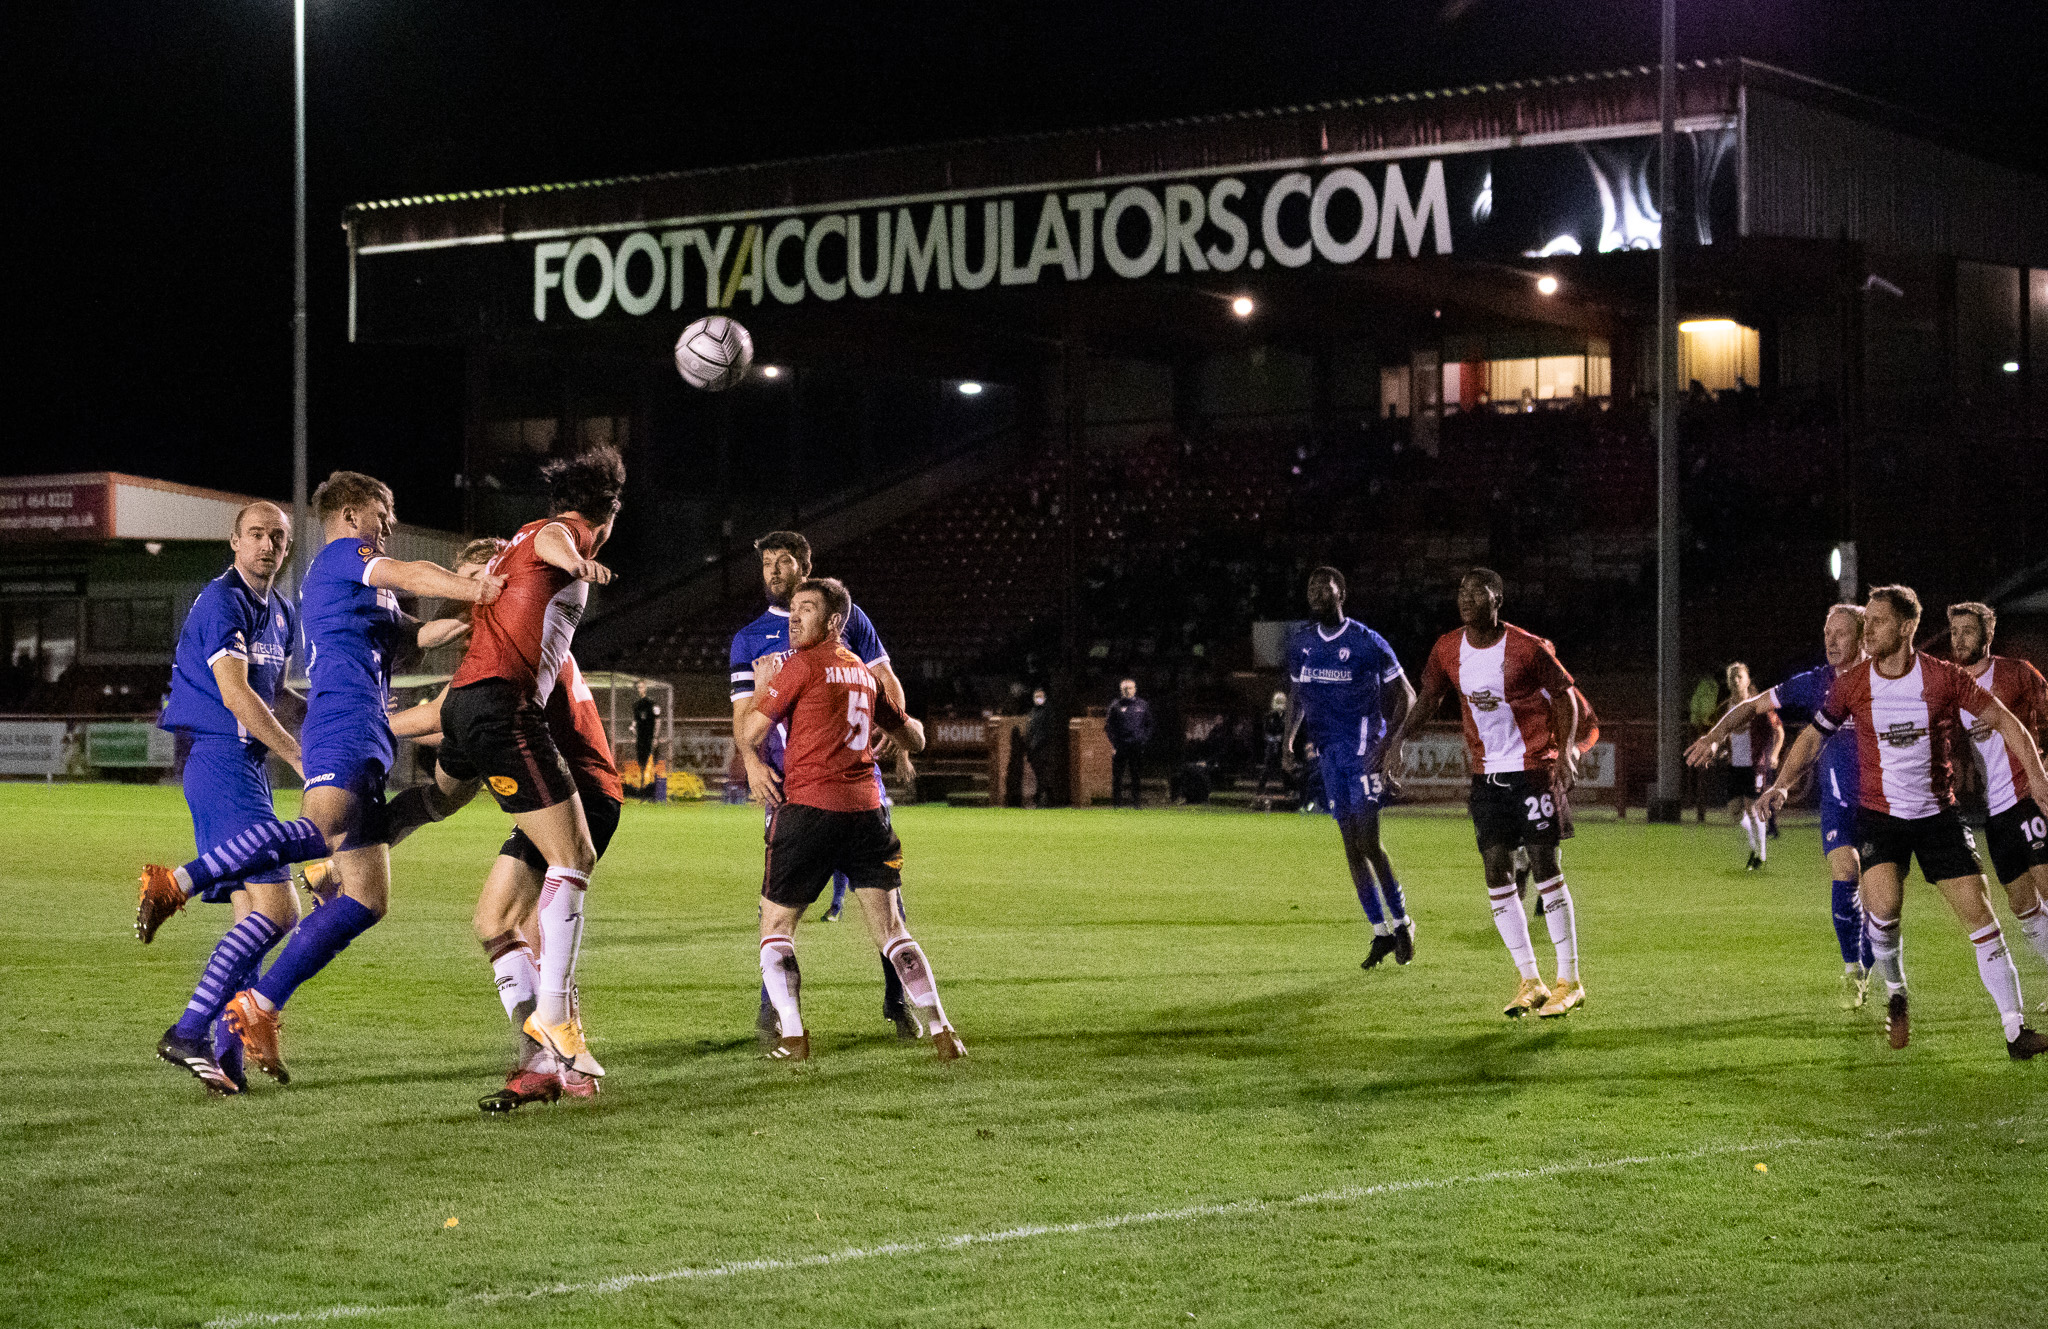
{"x":553,"y":546}
{"x":1703,"y":748}
{"x":1804,"y":749}
{"x":231,"y":673}
{"x":431,"y":579}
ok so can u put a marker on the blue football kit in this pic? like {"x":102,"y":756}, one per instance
{"x":1837,"y":769}
{"x":1338,"y":678}
{"x":769,"y":635}
{"x":352,"y":629}
{"x":226,"y":785}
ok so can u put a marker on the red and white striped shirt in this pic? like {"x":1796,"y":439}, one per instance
{"x":1504,"y":693}
{"x":1906,"y":729}
{"x":2025,"y":693}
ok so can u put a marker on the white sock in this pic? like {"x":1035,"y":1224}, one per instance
{"x":920,"y":988}
{"x":518,"y":979}
{"x":2001,"y":980}
{"x":1514,"y":930}
{"x":1760,"y":837}
{"x":779,"y":973}
{"x":1886,"y":959}
{"x":1563,"y":925}
{"x":561,"y":937}
{"x":2034,"y":927}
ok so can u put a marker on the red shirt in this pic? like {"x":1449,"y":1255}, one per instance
{"x":578,"y":731}
{"x":2025,"y":693}
{"x":833,"y":708}
{"x":523,"y":636}
{"x":1906,"y":731}
{"x":1504,"y":693}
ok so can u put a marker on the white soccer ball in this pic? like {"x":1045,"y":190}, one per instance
{"x":713,"y":353}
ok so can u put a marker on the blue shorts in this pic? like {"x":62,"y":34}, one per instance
{"x":228,"y":791}
{"x":1837,"y":826}
{"x":1347,"y":787}
{"x":347,"y":748}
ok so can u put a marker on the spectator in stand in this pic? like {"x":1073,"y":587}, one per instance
{"x":646,"y":715}
{"x":1273,"y":732}
{"x":1129,"y":727}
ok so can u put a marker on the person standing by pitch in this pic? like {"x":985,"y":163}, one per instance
{"x":1129,"y":726}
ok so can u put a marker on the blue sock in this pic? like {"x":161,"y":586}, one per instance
{"x":228,"y":970}
{"x":325,"y":934}
{"x":272,"y":844}
{"x":1368,"y":894}
{"x":1848,"y":911}
{"x":1397,"y":904}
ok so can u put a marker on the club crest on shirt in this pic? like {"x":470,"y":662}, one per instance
{"x":1344,"y":653}
{"x":504,"y":786}
{"x":1903,"y":734}
{"x":280,"y":622}
{"x":364,"y":551}
{"x":1484,"y":701}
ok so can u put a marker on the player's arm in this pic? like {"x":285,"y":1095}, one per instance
{"x":904,"y":729}
{"x":1564,"y":722}
{"x":1707,"y":745}
{"x":749,"y":727}
{"x":1292,"y":724}
{"x":1435,"y":683}
{"x":890,"y":686}
{"x":554,"y":547}
{"x":231,"y":674}
{"x":1777,"y":736}
{"x":1804,"y":749}
{"x":422,"y":577}
{"x":2017,"y":740}
{"x":422,"y":722}
{"x":441,"y":631}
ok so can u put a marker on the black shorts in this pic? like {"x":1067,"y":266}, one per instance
{"x":1751,"y":781}
{"x":806,"y":845}
{"x":492,"y":730}
{"x":600,"y":812}
{"x":1517,"y":808}
{"x":1944,"y":846}
{"x":2018,"y":840}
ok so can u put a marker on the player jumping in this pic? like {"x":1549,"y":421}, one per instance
{"x":2016,"y":828}
{"x":1842,"y":641}
{"x":1343,"y":679}
{"x":1907,"y":707}
{"x":349,"y":606}
{"x":828,"y":815}
{"x":1521,"y":722}
{"x":785,"y":562}
{"x":494,"y":723}
{"x":224,"y":679}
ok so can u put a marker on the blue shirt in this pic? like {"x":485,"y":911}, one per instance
{"x":769,"y":635}
{"x":1838,"y":768}
{"x":1337,"y":679}
{"x":351,"y":627}
{"x":228,"y":619}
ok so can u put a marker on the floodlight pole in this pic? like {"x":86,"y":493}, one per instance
{"x":302,"y":540}
{"x":1667,"y":805}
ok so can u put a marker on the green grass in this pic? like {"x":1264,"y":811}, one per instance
{"x":1163,"y":1010}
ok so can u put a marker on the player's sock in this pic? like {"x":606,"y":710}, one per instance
{"x":325,"y":933}
{"x":1369,"y":897}
{"x":1514,"y":929}
{"x":1749,"y":830}
{"x":784,"y":982}
{"x":418,"y":806}
{"x":269,"y":845}
{"x":1563,"y":924}
{"x":839,"y":884}
{"x":517,"y":973}
{"x":235,"y":958}
{"x":2001,"y":980}
{"x":1886,"y":961}
{"x":561,"y":937}
{"x":2034,"y":927}
{"x":1763,"y":839}
{"x":1397,"y":903}
{"x":919,"y":987}
{"x":1849,"y":931}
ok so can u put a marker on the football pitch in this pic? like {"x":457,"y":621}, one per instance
{"x":1184,"y":1103}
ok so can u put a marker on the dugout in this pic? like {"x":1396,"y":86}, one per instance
{"x":1413,"y":262}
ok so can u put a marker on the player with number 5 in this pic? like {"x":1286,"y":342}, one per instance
{"x":828,"y":815}
{"x":1521,"y":729}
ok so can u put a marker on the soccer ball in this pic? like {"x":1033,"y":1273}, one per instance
{"x":713,"y":353}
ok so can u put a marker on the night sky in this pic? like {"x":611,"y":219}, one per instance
{"x":152,"y":259}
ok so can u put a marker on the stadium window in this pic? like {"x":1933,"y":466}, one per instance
{"x":129,"y":625}
{"x":1719,"y":354}
{"x":1394,"y":392}
{"x":42,"y":637}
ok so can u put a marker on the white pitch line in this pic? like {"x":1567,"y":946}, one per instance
{"x":965,"y":1240}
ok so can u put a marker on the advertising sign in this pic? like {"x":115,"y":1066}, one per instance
{"x":32,"y":747}
{"x":1437,"y":761}
{"x":129,"y":743}
{"x":1486,"y":201}
{"x":33,"y":514}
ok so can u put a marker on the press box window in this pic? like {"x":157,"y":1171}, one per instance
{"x":130,"y":625}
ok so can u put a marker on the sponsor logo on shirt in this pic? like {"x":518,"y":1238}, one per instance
{"x":1484,"y":701}
{"x":1903,"y":734}
{"x":312,"y":780}
{"x":1308,"y":675}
